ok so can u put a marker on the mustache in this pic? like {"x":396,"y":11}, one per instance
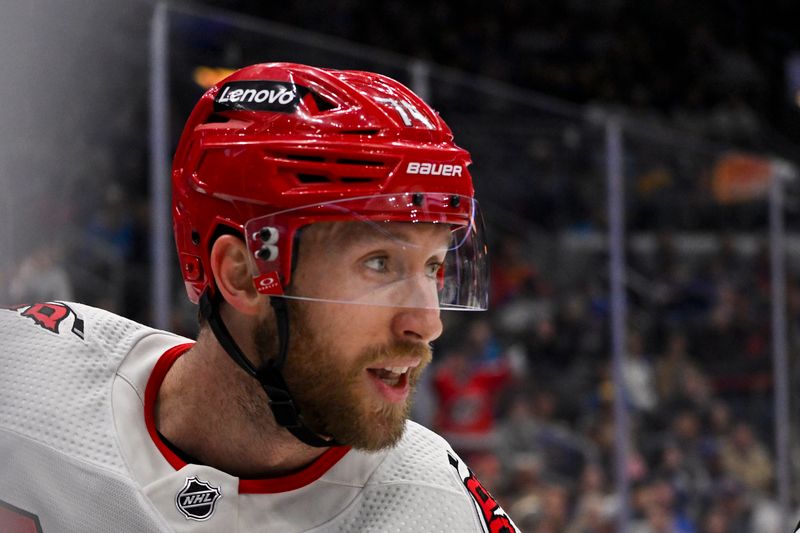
{"x":403,"y":348}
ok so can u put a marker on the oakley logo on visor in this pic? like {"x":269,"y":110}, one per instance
{"x":259,"y":96}
{"x":268,"y":283}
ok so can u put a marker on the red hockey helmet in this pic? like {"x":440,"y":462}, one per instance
{"x":276,"y":147}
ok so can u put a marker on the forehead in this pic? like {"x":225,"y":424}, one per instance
{"x":348,"y":235}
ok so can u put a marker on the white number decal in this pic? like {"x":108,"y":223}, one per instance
{"x":407,"y":112}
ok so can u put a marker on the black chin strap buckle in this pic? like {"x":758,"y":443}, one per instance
{"x":284,"y":410}
{"x":280,"y":401}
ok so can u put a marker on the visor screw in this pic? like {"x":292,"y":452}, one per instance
{"x":267,"y":252}
{"x":195,"y":237}
{"x":417,"y":198}
{"x":266,"y":234}
{"x":455,"y":201}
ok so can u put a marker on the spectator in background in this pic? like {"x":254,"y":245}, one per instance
{"x":671,"y":368}
{"x":518,"y":432}
{"x":40,"y":277}
{"x":105,"y":252}
{"x":687,"y":482}
{"x":719,"y":420}
{"x":468,"y":383}
{"x":695,"y":391}
{"x":766,"y":516}
{"x":746,"y":459}
{"x":689,"y":446}
{"x":510,"y":270}
{"x":715,"y":521}
{"x":114,"y":224}
{"x":657,"y":511}
{"x":729,"y":496}
{"x":638,"y":375}
{"x":533,"y":427}
{"x":523,"y":490}
{"x":595,"y":506}
{"x":554,"y":512}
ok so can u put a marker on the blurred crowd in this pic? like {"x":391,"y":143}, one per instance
{"x":713,"y":67}
{"x":526,"y":394}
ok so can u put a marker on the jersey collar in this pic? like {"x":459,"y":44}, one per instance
{"x":270,"y":485}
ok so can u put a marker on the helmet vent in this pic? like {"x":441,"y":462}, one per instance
{"x":360,"y":132}
{"x":327,"y":167}
{"x":362,"y":162}
{"x":298,"y":157}
{"x":322,"y":103}
{"x":312,"y":178}
{"x":216,"y":118}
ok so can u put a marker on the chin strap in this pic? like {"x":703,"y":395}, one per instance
{"x":268,"y":375}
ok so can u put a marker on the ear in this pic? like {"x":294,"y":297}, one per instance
{"x":230,"y":266}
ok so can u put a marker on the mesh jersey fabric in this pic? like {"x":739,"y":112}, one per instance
{"x":74,"y":450}
{"x":60,"y":460}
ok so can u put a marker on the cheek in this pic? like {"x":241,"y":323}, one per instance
{"x":348,"y":329}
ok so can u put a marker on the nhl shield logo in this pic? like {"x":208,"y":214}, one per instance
{"x":196,"y":499}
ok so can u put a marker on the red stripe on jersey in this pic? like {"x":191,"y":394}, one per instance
{"x":271,"y":485}
{"x":299,"y":479}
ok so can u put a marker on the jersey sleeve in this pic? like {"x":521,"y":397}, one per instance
{"x":489,"y":514}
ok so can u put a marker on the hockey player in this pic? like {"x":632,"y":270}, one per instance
{"x":323,"y":219}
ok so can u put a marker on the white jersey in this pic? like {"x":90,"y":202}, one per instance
{"x":79,"y":451}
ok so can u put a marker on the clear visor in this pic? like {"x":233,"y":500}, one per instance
{"x":419,"y":250}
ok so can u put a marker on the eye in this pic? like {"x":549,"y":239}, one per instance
{"x":432,"y":268}
{"x":378,"y":264}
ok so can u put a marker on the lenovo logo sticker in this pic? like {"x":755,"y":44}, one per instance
{"x":259,"y":96}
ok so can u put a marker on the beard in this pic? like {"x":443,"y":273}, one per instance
{"x":332,"y":391}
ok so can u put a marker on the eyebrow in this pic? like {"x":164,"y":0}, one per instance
{"x":362,"y":232}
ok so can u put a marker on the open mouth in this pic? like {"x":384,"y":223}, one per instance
{"x":394,"y":376}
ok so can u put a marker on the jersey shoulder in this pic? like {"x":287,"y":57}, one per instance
{"x":66,"y":328}
{"x":452,"y":496}
{"x":420,"y":456}
{"x":59,"y":361}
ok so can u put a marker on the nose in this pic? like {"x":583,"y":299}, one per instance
{"x":417,"y":316}
{"x":417,"y":324}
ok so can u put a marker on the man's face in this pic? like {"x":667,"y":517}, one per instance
{"x":352,"y":367}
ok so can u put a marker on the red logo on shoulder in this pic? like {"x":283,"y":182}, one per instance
{"x":50,"y":316}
